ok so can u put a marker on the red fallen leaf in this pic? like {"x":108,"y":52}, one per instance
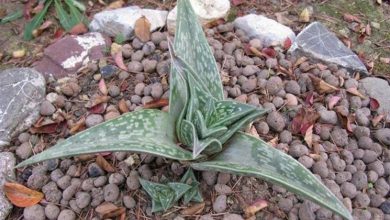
{"x":49,"y":128}
{"x":302,"y":121}
{"x":98,"y":109}
{"x":123,"y":86}
{"x":333,"y":101}
{"x":351,"y":18}
{"x":119,"y":60}
{"x":27,"y":9}
{"x":255,"y":207}
{"x":361,"y":38}
{"x":157,"y":103}
{"x":374,"y":104}
{"x":309,"y":100}
{"x":237,"y":2}
{"x":79,"y":28}
{"x":269,"y":52}
{"x":247,"y":50}
{"x":287,"y":43}
{"x":58,"y":33}
{"x":20,"y":195}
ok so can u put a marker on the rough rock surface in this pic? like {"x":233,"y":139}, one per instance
{"x":7,"y":163}
{"x":379,"y":89}
{"x":268,"y":31}
{"x":69,"y":54}
{"x":122,"y":21}
{"x":207,"y":11}
{"x":21,"y":90}
{"x":317,"y":42}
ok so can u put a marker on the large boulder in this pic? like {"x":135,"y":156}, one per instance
{"x":206,"y":10}
{"x":66,"y":56}
{"x":317,"y":42}
{"x":7,"y":164}
{"x":21,"y":92}
{"x":268,"y":31}
{"x":121,"y":21}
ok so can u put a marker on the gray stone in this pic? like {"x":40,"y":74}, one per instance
{"x":317,"y":42}
{"x":22,"y":91}
{"x":383,"y":136}
{"x":7,"y":163}
{"x":379,"y":89}
{"x":268,"y":31}
{"x":122,"y":21}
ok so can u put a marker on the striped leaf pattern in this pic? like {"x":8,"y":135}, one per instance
{"x":247,"y":155}
{"x":144,"y":131}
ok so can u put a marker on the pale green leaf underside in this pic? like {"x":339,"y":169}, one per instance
{"x":144,"y":131}
{"x":247,"y":155}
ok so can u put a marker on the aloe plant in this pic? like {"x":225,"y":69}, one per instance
{"x":201,"y":128}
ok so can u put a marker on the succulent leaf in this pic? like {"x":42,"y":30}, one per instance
{"x":147,"y":131}
{"x":247,"y":155}
{"x":193,"y":194}
{"x":162,"y":195}
{"x":179,"y":188}
{"x":35,"y":22}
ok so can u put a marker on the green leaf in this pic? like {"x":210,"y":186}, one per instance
{"x":63,"y":16}
{"x":179,"y":188}
{"x":35,"y":22}
{"x":191,"y":45}
{"x":162,"y":195}
{"x":12,"y":17}
{"x":145,"y":131}
{"x":247,"y":155}
{"x":75,"y":15}
{"x":78,"y":5}
{"x":193,"y":194}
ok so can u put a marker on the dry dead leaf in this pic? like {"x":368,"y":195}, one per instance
{"x":157,"y":103}
{"x":303,"y":120}
{"x":114,"y":213}
{"x":300,"y":61}
{"x":20,"y":195}
{"x":253,"y":132}
{"x":79,"y":28}
{"x":351,"y":18}
{"x":37,"y":32}
{"x":274,"y":141}
{"x":375,"y":121}
{"x":142,"y":29}
{"x":304,"y":16}
{"x":96,"y":101}
{"x":355,"y":91}
{"x":309,"y":136}
{"x":385,"y":60}
{"x":114,"y":5}
{"x":79,"y":125}
{"x":322,"y":86}
{"x":104,"y":164}
{"x":255,"y":207}
{"x":105,"y":208}
{"x":194,"y":209}
{"x":123,"y":106}
{"x":103,"y":87}
{"x":19,"y":53}
{"x":333,"y":101}
{"x":119,"y":61}
{"x":374,"y":104}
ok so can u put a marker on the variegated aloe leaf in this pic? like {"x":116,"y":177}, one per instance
{"x":144,"y":131}
{"x":193,"y":194}
{"x":191,"y":45}
{"x":247,"y":155}
{"x":162,"y":195}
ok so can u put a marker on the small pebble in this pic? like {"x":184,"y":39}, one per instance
{"x":219,"y":204}
{"x":67,"y":214}
{"x":52,"y":211}
{"x":93,"y":119}
{"x":114,"y":91}
{"x":111,"y":192}
{"x":94,"y":170}
{"x":35,"y":212}
{"x":47,"y":108}
{"x":276,"y":121}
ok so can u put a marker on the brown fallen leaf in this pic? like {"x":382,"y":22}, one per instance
{"x":103,"y":87}
{"x":255,"y":207}
{"x":300,"y":61}
{"x":333,"y":101}
{"x":322,"y":86}
{"x":309,"y":136}
{"x":98,"y":109}
{"x":104,"y":164}
{"x":123,"y":106}
{"x":253,"y":132}
{"x":105,"y":208}
{"x":114,"y":213}
{"x":355,"y":91}
{"x":351,"y":18}
{"x":79,"y":125}
{"x":303,"y":120}
{"x":118,"y":58}
{"x":37,"y":32}
{"x":375,"y":121}
{"x":79,"y":28}
{"x":48,"y":128}
{"x":96,"y":101}
{"x":274,"y":141}
{"x":20,"y":195}
{"x":346,"y":121}
{"x":157,"y":103}
{"x":194,"y":209}
{"x":142,"y":29}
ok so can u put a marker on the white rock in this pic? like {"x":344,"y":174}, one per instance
{"x":7,"y":163}
{"x":207,"y":11}
{"x":269,"y":31}
{"x":122,"y":21}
